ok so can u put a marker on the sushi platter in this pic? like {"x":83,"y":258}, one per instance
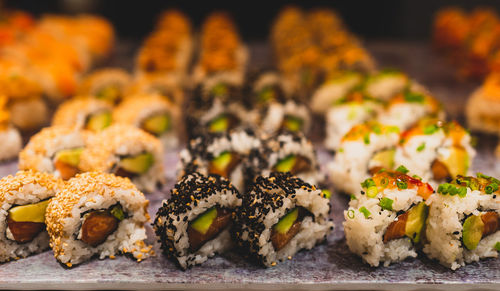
{"x":187,"y":161}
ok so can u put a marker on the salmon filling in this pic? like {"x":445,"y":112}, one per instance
{"x":24,"y":231}
{"x":287,"y":228}
{"x":25,"y":222}
{"x":224,"y":164}
{"x":295,"y":164}
{"x":99,"y":224}
{"x":207,"y":226}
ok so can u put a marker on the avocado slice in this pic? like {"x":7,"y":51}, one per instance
{"x":457,"y":162}
{"x":70,"y":156}
{"x":266,"y":94}
{"x":203,"y":222}
{"x":286,"y":222}
{"x":292,"y":123}
{"x":472,"y":231}
{"x":219,"y":124}
{"x":222,"y":161}
{"x":157,"y":124}
{"x":138,"y":164}
{"x":117,"y":212}
{"x":220,"y":89}
{"x":30,"y":212}
{"x":286,"y":164}
{"x":385,"y":158}
{"x":415,"y":223}
{"x":109,"y":93}
{"x":98,"y":121}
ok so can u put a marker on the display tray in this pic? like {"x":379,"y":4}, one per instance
{"x":328,"y":266}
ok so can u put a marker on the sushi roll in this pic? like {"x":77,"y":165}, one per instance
{"x":97,"y":214}
{"x":24,"y":199}
{"x":126,"y":151}
{"x":333,"y":89}
{"x":285,"y":152}
{"x":386,"y":223}
{"x":222,"y":154}
{"x":386,"y":84}
{"x":364,"y":150}
{"x":84,"y":113}
{"x":355,"y":108}
{"x":55,"y":150}
{"x":435,"y":150}
{"x":193,"y":225}
{"x":153,"y":114}
{"x":281,"y":216}
{"x":464,"y":221}
{"x":266,"y":86}
{"x":106,"y":84}
{"x":406,"y":108}
{"x":156,"y":84}
{"x":10,"y":136}
{"x":483,"y":106}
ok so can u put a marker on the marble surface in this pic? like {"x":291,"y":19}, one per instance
{"x":329,"y":266}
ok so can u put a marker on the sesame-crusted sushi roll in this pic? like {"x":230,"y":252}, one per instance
{"x":285,"y":152}
{"x":352,"y":109}
{"x":268,"y":85}
{"x":281,"y":216}
{"x":24,"y":198}
{"x":85,"y":113}
{"x":97,"y":214}
{"x":106,"y":84}
{"x":153,"y":114}
{"x":436,"y":150}
{"x":55,"y":150}
{"x":222,"y":154}
{"x":406,"y":108}
{"x":386,"y":223}
{"x":334,"y":88}
{"x":364,"y":150}
{"x":464,"y":221}
{"x":156,"y":84}
{"x":386,"y":84}
{"x":291,"y":115}
{"x":193,"y":225}
{"x":126,"y":151}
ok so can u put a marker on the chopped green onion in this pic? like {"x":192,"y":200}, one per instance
{"x":341,"y":150}
{"x":430,"y":129}
{"x":386,"y":203}
{"x":366,"y":138}
{"x":365,"y":212}
{"x":462,"y":192}
{"x":417,"y":177}
{"x":443,"y":188}
{"x":350,"y":213}
{"x":414,"y":97}
{"x":368,"y":183}
{"x":421,"y":147}
{"x":384,"y":182}
{"x":402,"y":185}
{"x":353,"y":197}
{"x":326,"y":193}
{"x":497,"y":246}
{"x":491,"y":188}
{"x":402,"y":169}
{"x":377,"y":129}
{"x":372,"y":191}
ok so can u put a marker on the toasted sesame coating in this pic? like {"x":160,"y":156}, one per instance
{"x":11,"y":183}
{"x":135,"y":109}
{"x":101,"y":77}
{"x":74,"y":112}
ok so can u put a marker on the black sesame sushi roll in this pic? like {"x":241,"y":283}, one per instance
{"x":23,"y":202}
{"x":97,"y":214}
{"x":281,"y":216}
{"x":193,"y":225}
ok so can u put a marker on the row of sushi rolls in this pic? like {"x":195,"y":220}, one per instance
{"x":247,"y":177}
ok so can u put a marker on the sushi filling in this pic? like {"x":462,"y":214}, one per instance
{"x":25,"y":222}
{"x":98,"y":121}
{"x":409,"y":224}
{"x":223,"y":123}
{"x":224,"y":164}
{"x":132,"y":166}
{"x":270,"y":93}
{"x":294,"y":164}
{"x":476,"y":227}
{"x":110,"y":93}
{"x":66,"y":162}
{"x":292,"y":123}
{"x":287,"y":227}
{"x":99,"y":224}
{"x":457,"y":163}
{"x":157,"y":124}
{"x":207,"y":226}
{"x":382,"y":160}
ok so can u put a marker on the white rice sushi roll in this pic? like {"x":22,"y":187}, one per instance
{"x":406,"y":108}
{"x":386,"y":84}
{"x":286,"y":152}
{"x":222,"y":154}
{"x":56,"y":150}
{"x":193,"y":225}
{"x":365,"y":149}
{"x":289,"y":116}
{"x":24,"y":199}
{"x":464,"y":221}
{"x":153,"y":114}
{"x":281,"y":216}
{"x":97,"y":214}
{"x":126,"y":151}
{"x":333,"y":89}
{"x":353,"y":109}
{"x":435,"y":150}
{"x":386,"y":223}
{"x":85,"y":113}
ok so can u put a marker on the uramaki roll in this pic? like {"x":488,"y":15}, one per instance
{"x":84,"y":112}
